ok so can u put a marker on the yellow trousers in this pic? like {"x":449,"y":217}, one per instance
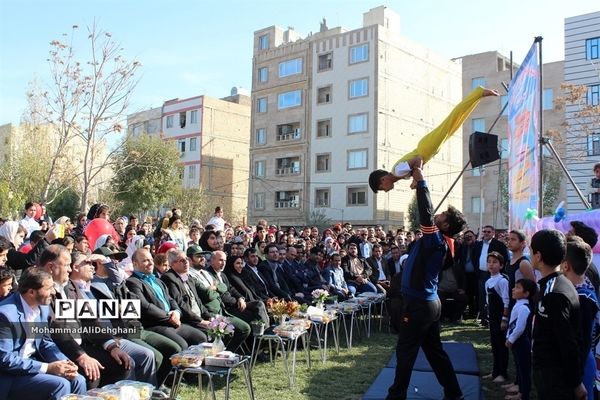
{"x":430,"y":144}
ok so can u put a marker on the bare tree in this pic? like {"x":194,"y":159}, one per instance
{"x":85,"y":102}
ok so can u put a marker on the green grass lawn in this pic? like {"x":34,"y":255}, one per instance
{"x":348,"y":375}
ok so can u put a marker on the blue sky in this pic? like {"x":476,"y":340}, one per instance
{"x":190,"y":48}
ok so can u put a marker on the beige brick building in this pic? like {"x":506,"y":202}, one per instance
{"x":481,"y":188}
{"x":212,"y":136}
{"x":329,"y":108}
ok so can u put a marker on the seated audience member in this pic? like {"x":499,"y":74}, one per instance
{"x":15,"y":234}
{"x":238,"y":276}
{"x":235,"y":303}
{"x":334,"y":276}
{"x":379,"y":276}
{"x":254,"y":280}
{"x":33,"y":369}
{"x":7,"y":279}
{"x":98,"y":355}
{"x":161,"y":264}
{"x":107,"y":284}
{"x":451,"y":290}
{"x":273,"y":275}
{"x":357,"y":272}
{"x":160,"y":312}
{"x":82,"y":272}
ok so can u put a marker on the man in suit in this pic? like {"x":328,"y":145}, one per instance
{"x":98,"y":355}
{"x":394,"y":266}
{"x":143,"y":367}
{"x":483,"y":247}
{"x":273,"y":275}
{"x":160,"y":312}
{"x":235,"y":304}
{"x":183,"y":289}
{"x":33,"y":367}
{"x":379,"y":275}
{"x":254,"y":279}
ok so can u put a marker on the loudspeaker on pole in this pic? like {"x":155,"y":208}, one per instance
{"x":483,"y":148}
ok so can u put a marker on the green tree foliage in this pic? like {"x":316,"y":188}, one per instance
{"x":146,"y":173}
{"x":66,"y":203}
{"x":319,"y":219}
{"x":413,"y":214}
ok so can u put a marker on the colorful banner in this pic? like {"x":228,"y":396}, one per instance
{"x":523,"y":137}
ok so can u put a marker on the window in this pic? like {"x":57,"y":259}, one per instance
{"x":191,"y":172}
{"x":193,"y":144}
{"x":324,"y":128}
{"x":476,"y":82}
{"x":194,"y":117}
{"x":357,"y":159}
{"x":289,"y":99}
{"x":548,"y":99}
{"x":182,"y":119}
{"x":322,"y":197}
{"x":181,"y":145}
{"x":291,"y":67}
{"x":477,"y":205}
{"x":503,"y":101}
{"x":323,"y":164}
{"x":324,"y":95}
{"x":287,"y":199}
{"x":593,"y":95}
{"x":325,"y":62}
{"x":263,"y":74}
{"x":260,"y":168}
{"x":359,"y":53}
{"x":263,"y":42}
{"x":259,"y":201}
{"x":594,"y":144}
{"x":478,"y":125}
{"x":169,"y":121}
{"x":591,"y":48}
{"x":358,"y":123}
{"x":504,"y":149}
{"x":358,"y":88}
{"x":261,"y":136}
{"x":357,"y":196}
{"x":261,"y":105}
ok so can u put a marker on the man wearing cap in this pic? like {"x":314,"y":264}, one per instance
{"x":82,"y":271}
{"x":160,"y":312}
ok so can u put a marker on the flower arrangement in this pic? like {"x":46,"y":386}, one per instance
{"x":320,"y":295}
{"x":279,"y":308}
{"x":220,"y":326}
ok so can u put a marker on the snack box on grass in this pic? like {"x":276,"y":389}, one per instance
{"x":222,"y":359}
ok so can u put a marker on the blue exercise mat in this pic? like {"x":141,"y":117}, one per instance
{"x":462,"y":356}
{"x":423,"y":386}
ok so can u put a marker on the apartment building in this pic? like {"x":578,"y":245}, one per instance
{"x":212,"y":136}
{"x":582,"y":67}
{"x":484,"y":188}
{"x":329,"y":108}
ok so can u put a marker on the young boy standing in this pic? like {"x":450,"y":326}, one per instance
{"x":579,"y":256}
{"x":557,"y":369}
{"x":518,"y":336}
{"x":496,"y":288}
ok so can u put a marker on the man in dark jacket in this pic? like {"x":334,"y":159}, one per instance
{"x":418,"y":320}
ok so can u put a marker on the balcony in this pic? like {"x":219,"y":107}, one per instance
{"x":287,"y":204}
{"x":287,"y":132}
{"x":288,"y":170}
